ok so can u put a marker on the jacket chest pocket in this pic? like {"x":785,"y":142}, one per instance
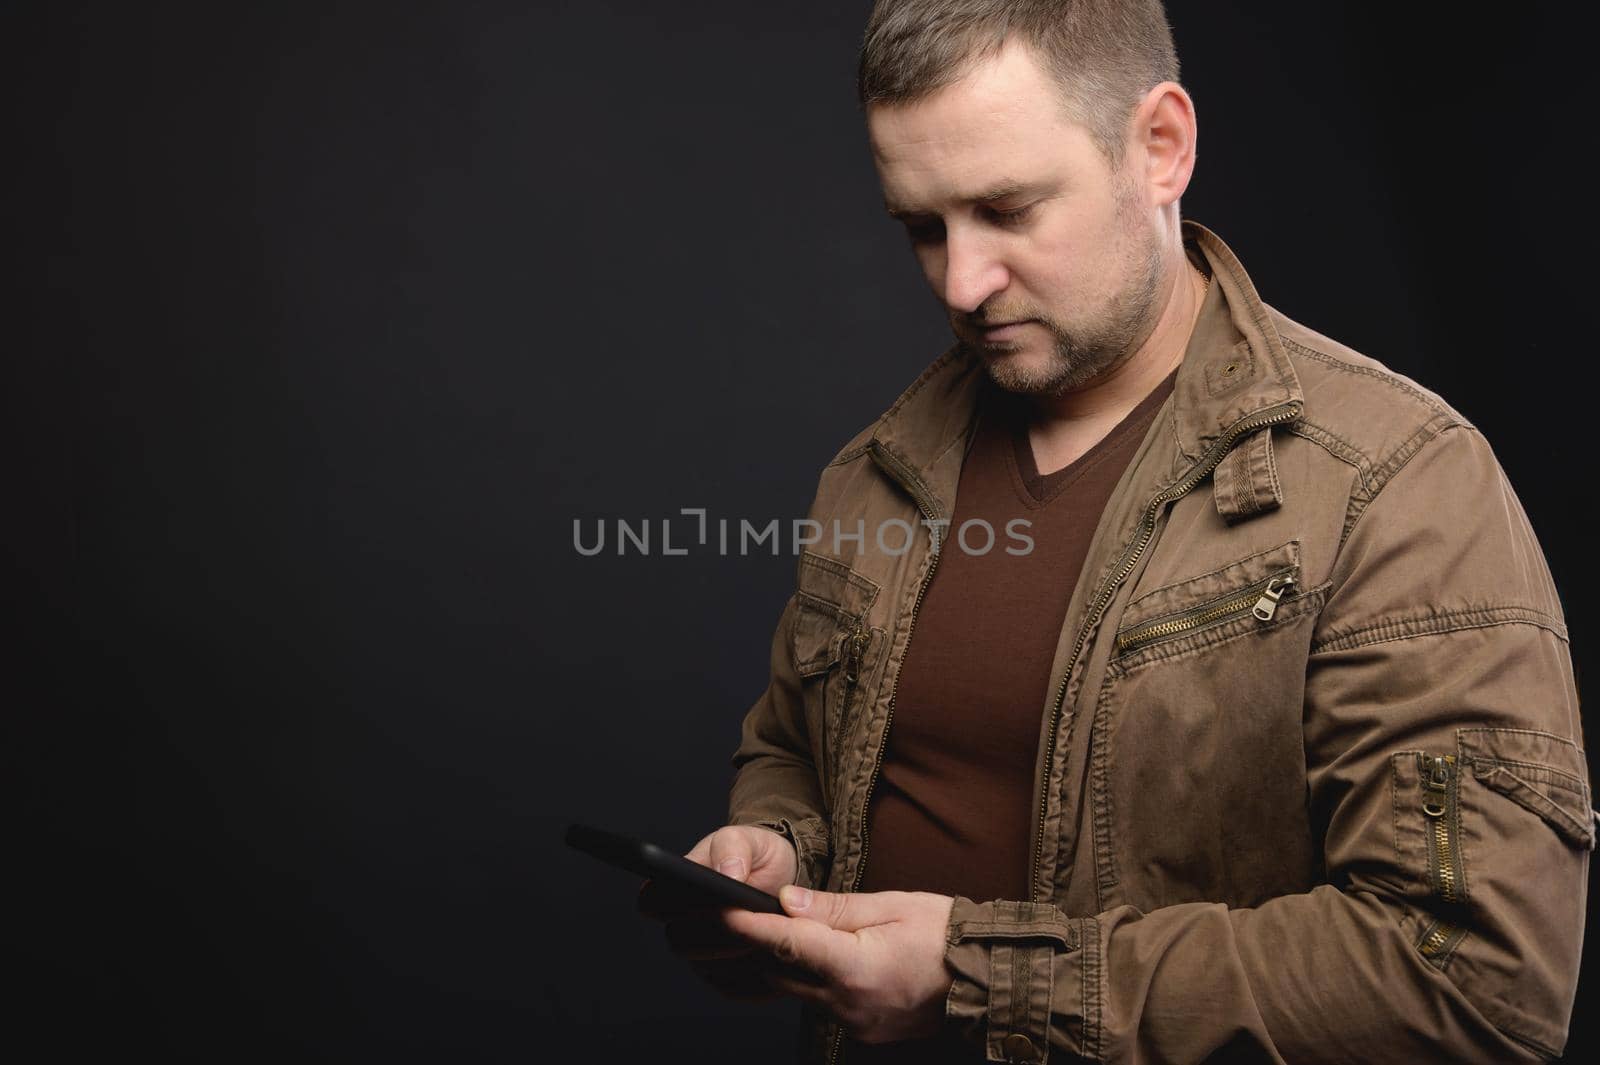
{"x":835,"y":651}
{"x":1196,"y":763}
{"x":1229,"y":598}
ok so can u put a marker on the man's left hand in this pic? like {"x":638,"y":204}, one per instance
{"x":873,"y":960}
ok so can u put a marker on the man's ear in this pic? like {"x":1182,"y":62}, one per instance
{"x":1161,"y":142}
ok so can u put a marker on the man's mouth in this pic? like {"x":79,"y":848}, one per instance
{"x":1003,"y":330}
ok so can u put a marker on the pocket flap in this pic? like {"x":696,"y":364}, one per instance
{"x":1539,"y":771}
{"x":1575,"y":829}
{"x":816,"y":638}
{"x":831,"y":599}
{"x":827,"y":582}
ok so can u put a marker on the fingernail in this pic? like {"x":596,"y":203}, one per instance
{"x":733,"y":867}
{"x":796,"y":898}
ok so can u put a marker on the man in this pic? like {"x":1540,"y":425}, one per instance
{"x":1269,"y":750}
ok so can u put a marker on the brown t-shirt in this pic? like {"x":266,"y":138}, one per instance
{"x":952,"y":807}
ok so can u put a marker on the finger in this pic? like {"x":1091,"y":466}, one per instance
{"x":731,"y":854}
{"x":846,"y":911}
{"x":797,"y":941}
{"x":773,"y":863}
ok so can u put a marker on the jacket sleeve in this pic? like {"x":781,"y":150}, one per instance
{"x":1447,"y":783}
{"x":775,"y":781}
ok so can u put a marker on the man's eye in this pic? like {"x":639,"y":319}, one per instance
{"x":1013,"y":218}
{"x":925,"y":232}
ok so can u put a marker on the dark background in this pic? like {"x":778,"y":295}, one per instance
{"x":333,"y":318}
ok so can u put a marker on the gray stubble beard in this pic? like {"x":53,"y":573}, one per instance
{"x":1081,"y":357}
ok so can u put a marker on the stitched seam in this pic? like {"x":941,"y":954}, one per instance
{"x":910,"y":471}
{"x":1524,"y":732}
{"x":1001,"y":928}
{"x":1222,"y":483}
{"x":1394,"y":806}
{"x":1538,"y":802}
{"x":1245,"y":496}
{"x":1401,"y":455}
{"x":1457,"y":817}
{"x":853,"y":453}
{"x":807,"y":601}
{"x":1332,"y":443}
{"x":1041,"y":991}
{"x":1064,"y":745}
{"x":1020,"y":974}
{"x":1236,"y":476}
{"x":1089,"y":963}
{"x":1392,"y":466}
{"x":1272,"y":471}
{"x":1389,"y":630}
{"x":1100,"y":796}
{"x":1576,"y":782}
{"x":1261,"y":472}
{"x":838,"y":569}
{"x":1389,"y":379}
{"x":1240,"y":481}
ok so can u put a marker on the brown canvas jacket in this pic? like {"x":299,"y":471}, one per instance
{"x":1310,"y":782}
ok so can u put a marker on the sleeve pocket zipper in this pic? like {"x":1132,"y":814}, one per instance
{"x":1259,"y":600}
{"x":1445,"y":875}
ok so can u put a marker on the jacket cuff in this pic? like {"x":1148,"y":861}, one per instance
{"x":1022,"y":979}
{"x":813,"y":847}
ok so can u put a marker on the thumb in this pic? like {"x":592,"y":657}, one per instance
{"x":844,"y":911}
{"x":731,"y":853}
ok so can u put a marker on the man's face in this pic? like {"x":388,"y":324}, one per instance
{"x":1016,"y":217}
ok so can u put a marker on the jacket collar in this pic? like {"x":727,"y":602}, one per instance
{"x":1233,"y":368}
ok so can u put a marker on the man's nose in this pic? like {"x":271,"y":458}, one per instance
{"x":972,"y":273}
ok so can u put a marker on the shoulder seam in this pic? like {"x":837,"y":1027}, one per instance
{"x":1333,"y":444}
{"x":1397,"y":460}
{"x":1391,"y":379}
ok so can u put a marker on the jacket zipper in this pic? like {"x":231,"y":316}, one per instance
{"x":854,"y":653}
{"x":1260,"y":599}
{"x":1439,"y":781}
{"x":892,"y":466}
{"x":1285,"y":412}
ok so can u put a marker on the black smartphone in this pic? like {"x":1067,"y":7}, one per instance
{"x":657,"y":863}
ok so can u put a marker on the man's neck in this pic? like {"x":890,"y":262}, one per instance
{"x":1063,"y":428}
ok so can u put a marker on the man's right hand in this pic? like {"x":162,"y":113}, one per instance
{"x":696,"y":932}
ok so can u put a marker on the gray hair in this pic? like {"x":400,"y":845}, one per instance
{"x":1104,"y":54}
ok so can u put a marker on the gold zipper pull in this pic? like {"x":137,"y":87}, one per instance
{"x":1267,"y":605}
{"x":1436,"y":784}
{"x":855,"y":646}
